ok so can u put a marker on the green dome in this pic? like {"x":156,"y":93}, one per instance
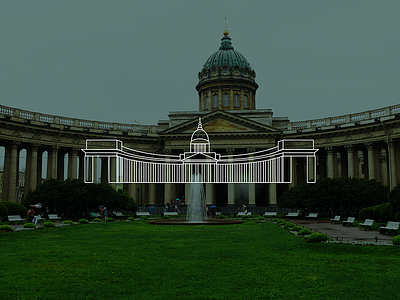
{"x":226,"y":56}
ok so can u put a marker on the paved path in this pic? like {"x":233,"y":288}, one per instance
{"x":343,"y":233}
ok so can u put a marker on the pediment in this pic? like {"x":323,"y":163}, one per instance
{"x":220,"y":122}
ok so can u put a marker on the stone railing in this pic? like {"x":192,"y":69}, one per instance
{"x":340,"y":120}
{"x":48,"y":119}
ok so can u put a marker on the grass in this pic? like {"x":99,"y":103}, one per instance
{"x":135,"y":260}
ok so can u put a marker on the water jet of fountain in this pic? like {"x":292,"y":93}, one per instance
{"x":197,"y":210}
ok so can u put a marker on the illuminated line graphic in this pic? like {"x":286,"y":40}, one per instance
{"x":125,"y":165}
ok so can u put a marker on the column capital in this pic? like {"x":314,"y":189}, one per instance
{"x":35,"y":147}
{"x":15,"y":144}
{"x":369,"y":145}
{"x":230,"y":150}
{"x":349,"y":147}
{"x":329,"y":149}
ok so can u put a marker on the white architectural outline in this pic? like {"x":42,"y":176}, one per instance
{"x":127,"y":165}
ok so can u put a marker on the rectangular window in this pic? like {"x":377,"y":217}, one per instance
{"x":246,"y":102}
{"x":215,"y":100}
{"x":226,"y":100}
{"x":236,"y":100}
{"x":207,"y":104}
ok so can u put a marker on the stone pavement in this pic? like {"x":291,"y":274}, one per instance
{"x":342,"y":233}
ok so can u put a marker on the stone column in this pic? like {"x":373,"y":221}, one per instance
{"x":33,"y":171}
{"x":6,"y":172}
{"x":210,"y":199}
{"x":311,"y":163}
{"x":331,"y":162}
{"x":293,"y":168}
{"x":13,"y":172}
{"x":81,"y":165}
{"x":169,"y":193}
{"x":383,"y":167}
{"x":231,"y":99}
{"x":371,"y":161}
{"x":392,"y":166}
{"x":152,"y":193}
{"x":241,"y":100}
{"x":73,"y":163}
{"x":272,"y":193}
{"x":104,"y":170}
{"x":339,"y":162}
{"x":231,"y":186}
{"x":360,"y":157}
{"x":351,"y":170}
{"x":219,"y":98}
{"x":252,"y":193}
{"x":60,"y":164}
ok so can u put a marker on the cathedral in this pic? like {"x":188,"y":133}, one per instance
{"x":361,"y":145}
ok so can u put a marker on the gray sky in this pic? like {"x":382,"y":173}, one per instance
{"x":121,"y":61}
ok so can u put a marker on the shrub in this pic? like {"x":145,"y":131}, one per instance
{"x":3,"y":210}
{"x":110,"y":219}
{"x":143,"y":217}
{"x":130,"y":219}
{"x":297,"y":228}
{"x":49,"y":224}
{"x":29,"y":225}
{"x":275,"y":220}
{"x":396,"y":240}
{"x":68,"y":222}
{"x":288,"y":225}
{"x":15,"y":208}
{"x":317,"y":237}
{"x":261,"y":219}
{"x":280,"y":221}
{"x":382,"y":212}
{"x":245,"y":217}
{"x":221,"y":217}
{"x":83,"y":221}
{"x":366,"y":213}
{"x":397,"y":216}
{"x":6,"y":228}
{"x":231,"y":216}
{"x":304,"y":231}
{"x":97,"y":220}
{"x":165,"y":217}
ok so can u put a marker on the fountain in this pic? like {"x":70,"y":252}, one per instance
{"x":196,"y":211}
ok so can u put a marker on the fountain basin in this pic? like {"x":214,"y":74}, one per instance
{"x":188,"y":223}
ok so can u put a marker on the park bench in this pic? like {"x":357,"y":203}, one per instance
{"x":312,"y":215}
{"x":348,"y":222}
{"x":390,"y":227}
{"x":15,"y":218}
{"x":270,"y":214}
{"x":142,"y":213}
{"x":243,"y":213}
{"x":171,"y":213}
{"x":292,"y":215}
{"x":336,"y":220}
{"x":367,"y":224}
{"x":120,"y":214}
{"x":54,"y":217}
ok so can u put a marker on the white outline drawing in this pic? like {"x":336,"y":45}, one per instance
{"x":125,"y":165}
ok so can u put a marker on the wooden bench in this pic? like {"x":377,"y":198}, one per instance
{"x":142,"y":213}
{"x":171,"y":213}
{"x":367,"y":224}
{"x":390,"y":227}
{"x":336,"y":220}
{"x":312,"y":215}
{"x":270,"y":214}
{"x":54,"y":217}
{"x":348,"y":222}
{"x":243,"y":213}
{"x":15,"y":218}
{"x":292,"y":215}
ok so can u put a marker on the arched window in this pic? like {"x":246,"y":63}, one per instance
{"x":215,"y":101}
{"x":226,"y":100}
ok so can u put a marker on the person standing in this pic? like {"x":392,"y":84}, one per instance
{"x":31,"y":214}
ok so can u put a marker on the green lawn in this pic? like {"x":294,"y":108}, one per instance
{"x":124,"y":260}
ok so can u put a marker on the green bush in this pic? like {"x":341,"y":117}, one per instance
{"x":366,"y":213}
{"x":317,"y":237}
{"x":261,"y":219}
{"x":83,"y":221}
{"x":29,"y":225}
{"x":304,"y":231}
{"x":165,"y":217}
{"x":288,"y":225}
{"x":3,"y":210}
{"x":245,"y":217}
{"x":397,"y":216}
{"x":15,"y":208}
{"x":221,"y":217}
{"x":49,"y":224}
{"x":68,"y":222}
{"x":231,"y":216}
{"x":143,"y":217}
{"x":275,"y":220}
{"x":97,"y":220}
{"x":110,"y":219}
{"x":6,"y":228}
{"x":382,"y":212}
{"x":280,"y":221}
{"x":297,"y":228}
{"x":131,"y":219}
{"x":396,"y":240}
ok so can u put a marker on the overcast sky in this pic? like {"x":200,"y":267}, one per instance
{"x":121,"y":61}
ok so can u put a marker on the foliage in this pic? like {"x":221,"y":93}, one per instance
{"x":279,"y":221}
{"x":6,"y":228}
{"x":29,"y":225}
{"x":74,"y":197}
{"x":143,"y":217}
{"x":110,"y":219}
{"x":15,"y":208}
{"x":382,"y":212}
{"x":49,"y":224}
{"x":83,"y":221}
{"x":275,"y":220}
{"x":317,"y":237}
{"x":304,"y":231}
{"x":221,"y":217}
{"x":245,"y":217}
{"x":397,"y":216}
{"x":334,"y":196}
{"x":96,"y":220}
{"x":288,"y":225}
{"x":261,"y":219}
{"x":131,"y":218}
{"x":396,"y":240}
{"x":165,"y":217}
{"x":3,"y":210}
{"x":366,"y":213}
{"x":231,"y":216}
{"x":68,"y":222}
{"x":296,"y":228}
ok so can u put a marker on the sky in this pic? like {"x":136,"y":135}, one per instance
{"x":135,"y":61}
